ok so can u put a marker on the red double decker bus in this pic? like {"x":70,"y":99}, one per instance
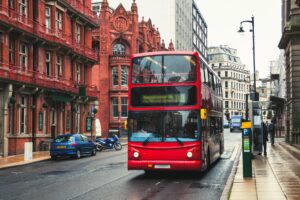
{"x":174,"y":112}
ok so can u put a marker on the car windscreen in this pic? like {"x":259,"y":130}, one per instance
{"x":236,"y":120}
{"x":164,"y":69}
{"x":64,"y":138}
{"x":163,"y":126}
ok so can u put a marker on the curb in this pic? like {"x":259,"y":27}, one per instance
{"x":229,"y":183}
{"x":24,"y":163}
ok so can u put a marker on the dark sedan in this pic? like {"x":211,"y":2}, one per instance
{"x":74,"y":145}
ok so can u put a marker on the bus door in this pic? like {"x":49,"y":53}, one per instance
{"x":204,"y":132}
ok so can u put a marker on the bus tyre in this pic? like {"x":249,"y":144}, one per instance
{"x":207,"y":160}
{"x":231,"y":130}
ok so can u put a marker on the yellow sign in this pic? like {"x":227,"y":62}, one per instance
{"x":125,"y":125}
{"x":169,"y":98}
{"x":203,"y":113}
{"x":246,"y":125}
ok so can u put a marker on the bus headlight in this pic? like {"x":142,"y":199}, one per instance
{"x":136,"y":154}
{"x":189,"y":154}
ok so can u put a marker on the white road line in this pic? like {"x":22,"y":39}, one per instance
{"x":235,"y":151}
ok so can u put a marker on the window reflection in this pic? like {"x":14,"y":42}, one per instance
{"x":163,"y":126}
{"x":162,"y":69}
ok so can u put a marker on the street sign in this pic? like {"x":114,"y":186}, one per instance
{"x":88,"y":124}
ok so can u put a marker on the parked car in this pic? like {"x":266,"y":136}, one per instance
{"x":226,"y":124}
{"x":74,"y":145}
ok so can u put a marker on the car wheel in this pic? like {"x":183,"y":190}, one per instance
{"x":117,"y":146}
{"x":94,"y":152}
{"x":78,"y":154}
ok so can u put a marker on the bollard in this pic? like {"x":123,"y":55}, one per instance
{"x":28,"y":151}
{"x":246,"y":148}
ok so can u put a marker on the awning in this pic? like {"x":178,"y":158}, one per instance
{"x":60,"y":97}
{"x":276,"y":102}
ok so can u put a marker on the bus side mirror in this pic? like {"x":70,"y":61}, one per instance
{"x":203,"y":113}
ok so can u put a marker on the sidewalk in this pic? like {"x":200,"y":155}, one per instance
{"x":17,"y":160}
{"x":276,"y":176}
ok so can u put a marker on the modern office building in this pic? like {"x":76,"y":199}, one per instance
{"x":290,"y":43}
{"x":120,"y":35}
{"x":46,"y":61}
{"x":235,"y":78}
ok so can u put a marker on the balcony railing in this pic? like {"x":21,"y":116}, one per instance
{"x":23,"y":75}
{"x":86,"y":11}
{"x":56,"y":36}
{"x":11,"y":17}
{"x":119,"y":59}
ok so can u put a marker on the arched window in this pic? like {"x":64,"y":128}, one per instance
{"x":119,"y":49}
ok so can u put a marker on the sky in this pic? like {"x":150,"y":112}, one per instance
{"x":223,"y":19}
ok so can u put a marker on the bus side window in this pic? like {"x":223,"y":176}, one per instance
{"x":202,"y":73}
{"x":205,"y":74}
{"x":209,"y":78}
{"x":212,"y":126}
{"x":214,"y":81}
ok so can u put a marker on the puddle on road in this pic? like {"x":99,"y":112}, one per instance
{"x":205,"y":185}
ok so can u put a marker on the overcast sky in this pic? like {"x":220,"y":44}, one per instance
{"x":223,"y":18}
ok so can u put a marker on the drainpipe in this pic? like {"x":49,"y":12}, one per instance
{"x":33,"y":107}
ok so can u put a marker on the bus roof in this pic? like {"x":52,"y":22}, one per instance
{"x":164,"y":53}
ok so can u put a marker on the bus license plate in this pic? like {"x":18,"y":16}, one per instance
{"x":162,"y":166}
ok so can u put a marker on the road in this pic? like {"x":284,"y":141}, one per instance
{"x":105,"y":176}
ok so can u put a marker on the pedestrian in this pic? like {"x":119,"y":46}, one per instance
{"x":265,"y":138}
{"x":271,"y":129}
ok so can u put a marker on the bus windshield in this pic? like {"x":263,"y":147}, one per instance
{"x":159,"y":126}
{"x":163,"y":69}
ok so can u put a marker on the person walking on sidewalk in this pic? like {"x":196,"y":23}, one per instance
{"x":265,"y":138}
{"x":271,"y":130}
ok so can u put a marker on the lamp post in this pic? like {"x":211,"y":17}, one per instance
{"x":241,"y":30}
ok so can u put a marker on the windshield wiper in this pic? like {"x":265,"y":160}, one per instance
{"x":147,"y":140}
{"x":179,"y":141}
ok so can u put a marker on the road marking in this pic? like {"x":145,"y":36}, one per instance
{"x":157,"y":183}
{"x":235,"y":151}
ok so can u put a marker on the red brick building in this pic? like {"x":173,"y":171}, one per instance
{"x":46,"y":61}
{"x":119,"y":36}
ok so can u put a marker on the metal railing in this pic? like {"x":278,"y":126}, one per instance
{"x":13,"y":18}
{"x":24,"y":75}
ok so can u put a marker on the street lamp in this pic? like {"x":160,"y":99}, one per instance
{"x":241,"y":30}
